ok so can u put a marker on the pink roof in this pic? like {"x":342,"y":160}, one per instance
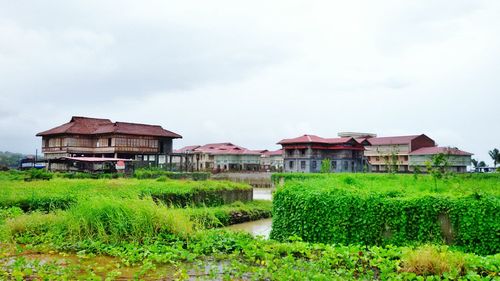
{"x":96,"y":159}
{"x":437,"y":150}
{"x":392,"y":140}
{"x":225,"y":148}
{"x":95,"y":126}
{"x":315,"y":139}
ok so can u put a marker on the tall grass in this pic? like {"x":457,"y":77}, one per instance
{"x":105,"y":220}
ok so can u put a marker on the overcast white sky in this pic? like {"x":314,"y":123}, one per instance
{"x":254,"y":72}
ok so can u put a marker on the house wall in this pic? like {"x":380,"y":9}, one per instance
{"x":453,"y":160}
{"x":309,"y":160}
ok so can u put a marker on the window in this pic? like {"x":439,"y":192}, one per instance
{"x":314,"y":165}
{"x":346,"y":165}
{"x":109,"y":141}
{"x":334,"y":165}
{"x":302,"y":152}
{"x":290,"y":164}
{"x":302,"y":165}
{"x":162,"y":147}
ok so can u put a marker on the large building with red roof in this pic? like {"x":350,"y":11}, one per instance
{"x":219,"y":157}
{"x":403,"y":153}
{"x":95,"y":137}
{"x":306,"y":153}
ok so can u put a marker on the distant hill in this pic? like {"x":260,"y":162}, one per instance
{"x":10,"y":159}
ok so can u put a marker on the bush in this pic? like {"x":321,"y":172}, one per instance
{"x":38,"y":174}
{"x":153,"y":173}
{"x":329,"y":214}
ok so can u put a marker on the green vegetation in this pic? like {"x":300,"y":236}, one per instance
{"x":10,"y":159}
{"x":61,"y":193}
{"x":325,"y":166}
{"x":217,"y":254}
{"x":495,"y":156}
{"x":381,"y":210}
{"x":152,"y":173}
{"x":116,"y":229}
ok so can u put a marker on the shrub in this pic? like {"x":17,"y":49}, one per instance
{"x":432,"y":260}
{"x":153,"y":173}
{"x":316,"y":211}
{"x":38,"y":174}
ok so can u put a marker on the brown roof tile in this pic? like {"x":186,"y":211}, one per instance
{"x":96,"y":126}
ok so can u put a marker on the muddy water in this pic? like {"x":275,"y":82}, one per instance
{"x":263,"y":193}
{"x":256,"y":228}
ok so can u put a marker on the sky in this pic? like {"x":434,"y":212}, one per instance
{"x":254,"y":72}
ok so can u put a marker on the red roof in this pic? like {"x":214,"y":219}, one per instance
{"x":95,"y":126}
{"x":436,"y":150}
{"x":392,"y":140}
{"x":315,"y":139}
{"x":225,"y":148}
{"x":185,"y":149}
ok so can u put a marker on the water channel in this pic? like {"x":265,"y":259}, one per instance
{"x":259,"y":227}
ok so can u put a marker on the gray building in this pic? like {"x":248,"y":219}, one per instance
{"x":306,"y":153}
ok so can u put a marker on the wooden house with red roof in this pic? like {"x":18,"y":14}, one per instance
{"x":305,"y":154}
{"x":101,"y":138}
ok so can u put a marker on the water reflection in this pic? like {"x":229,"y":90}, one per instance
{"x":256,"y":228}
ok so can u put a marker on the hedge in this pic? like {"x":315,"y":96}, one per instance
{"x":157,"y":173}
{"x":332,"y":215}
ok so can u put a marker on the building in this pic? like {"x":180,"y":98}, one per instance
{"x":404,"y":153}
{"x":393,"y":151}
{"x":305,"y":154}
{"x":219,"y":157}
{"x":458,"y":160}
{"x":100,"y":138}
{"x":272,"y":160}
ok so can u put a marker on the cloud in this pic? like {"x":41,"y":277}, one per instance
{"x":254,"y":72}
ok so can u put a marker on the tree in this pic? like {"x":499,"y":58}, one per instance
{"x":438,"y":167}
{"x":390,"y":159}
{"x":495,"y":155}
{"x":474,"y":163}
{"x":325,"y":166}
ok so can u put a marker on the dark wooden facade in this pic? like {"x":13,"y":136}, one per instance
{"x":91,"y":137}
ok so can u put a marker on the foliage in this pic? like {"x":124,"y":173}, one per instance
{"x":222,"y":255}
{"x":62,"y":193}
{"x":38,"y":174}
{"x":345,"y":209}
{"x":390,"y":159}
{"x":438,"y":167}
{"x":10,"y":159}
{"x":454,"y":184}
{"x":80,"y":175}
{"x":325,"y":166}
{"x":495,"y":155}
{"x":153,"y":173}
{"x":234,"y":213}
